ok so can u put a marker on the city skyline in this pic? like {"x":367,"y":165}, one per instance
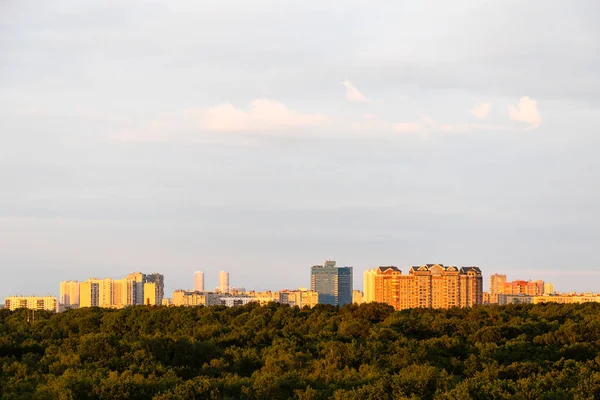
{"x":327,"y":282}
{"x":424,"y":286}
{"x":187,"y":283}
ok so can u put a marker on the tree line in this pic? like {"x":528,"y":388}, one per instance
{"x":546,"y":351}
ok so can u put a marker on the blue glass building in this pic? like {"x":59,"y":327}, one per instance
{"x":333,"y":284}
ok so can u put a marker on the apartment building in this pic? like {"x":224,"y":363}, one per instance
{"x":428,"y":286}
{"x":47,"y":303}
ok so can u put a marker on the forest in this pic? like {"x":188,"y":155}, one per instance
{"x":547,"y":351}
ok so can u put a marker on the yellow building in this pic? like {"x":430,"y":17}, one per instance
{"x":195,"y":298}
{"x":357,"y":297}
{"x":369,"y":285}
{"x":150,"y":294}
{"x":570,"y":298}
{"x":548,"y":288}
{"x":89,"y":294}
{"x":31,"y":302}
{"x":69,"y":293}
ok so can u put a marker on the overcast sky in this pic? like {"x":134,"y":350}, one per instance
{"x":262,"y":137}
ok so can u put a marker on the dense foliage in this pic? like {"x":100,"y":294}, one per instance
{"x":280,"y":352}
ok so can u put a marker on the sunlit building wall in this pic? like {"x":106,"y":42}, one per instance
{"x":47,"y":303}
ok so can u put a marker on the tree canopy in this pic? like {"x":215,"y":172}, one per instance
{"x":547,"y":351}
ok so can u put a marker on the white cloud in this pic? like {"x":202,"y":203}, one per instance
{"x":481,"y":111}
{"x":525,"y":111}
{"x":353,"y":94}
{"x":263,"y":115}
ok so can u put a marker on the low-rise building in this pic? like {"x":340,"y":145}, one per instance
{"x":195,"y":298}
{"x":235,"y":301}
{"x":31,"y":302}
{"x":561,"y":298}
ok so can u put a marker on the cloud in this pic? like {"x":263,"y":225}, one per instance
{"x":353,"y":94}
{"x":263,"y":115}
{"x":409,"y":127}
{"x":428,"y":125}
{"x":481,"y":111}
{"x":525,"y":111}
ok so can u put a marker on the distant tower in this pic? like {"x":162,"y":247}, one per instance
{"x":199,"y":281}
{"x":497,"y":283}
{"x":159,"y":287}
{"x":334,"y":284}
{"x":369,"y":285}
{"x":224,"y":282}
{"x":136,"y":288}
{"x":69,"y":293}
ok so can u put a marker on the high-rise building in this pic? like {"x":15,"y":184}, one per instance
{"x":429,"y":286}
{"x":497,"y":282}
{"x":31,"y":302}
{"x":333,"y":284}
{"x":224,"y":282}
{"x":548,"y":288}
{"x":369,"y":285}
{"x":150,"y":292}
{"x":137,"y":280}
{"x":69,"y":294}
{"x":89,"y":294}
{"x":386,"y":289}
{"x":121,"y":293}
{"x":199,"y":281}
{"x":159,"y":281}
{"x":471,"y":287}
{"x":105,"y":291}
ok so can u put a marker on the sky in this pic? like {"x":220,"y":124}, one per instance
{"x":263,"y":137}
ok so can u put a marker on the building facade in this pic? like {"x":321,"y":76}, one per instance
{"x":369,"y":285}
{"x":195,"y":298}
{"x":69,"y":294}
{"x":333,"y":284}
{"x":428,"y":286}
{"x":150,"y":297}
{"x":199,"y":281}
{"x":499,"y":285}
{"x":136,"y":290}
{"x":89,"y":294}
{"x":497,"y":282}
{"x":47,"y":303}
{"x":570,"y":298}
{"x":224,"y":282}
{"x":159,"y":287}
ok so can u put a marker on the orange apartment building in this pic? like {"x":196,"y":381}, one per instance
{"x":428,"y":286}
{"x":499,"y":285}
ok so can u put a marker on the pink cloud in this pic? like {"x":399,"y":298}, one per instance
{"x":526,"y":111}
{"x":353,"y":94}
{"x":263,"y":115}
{"x":409,"y":127}
{"x":481,"y":111}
